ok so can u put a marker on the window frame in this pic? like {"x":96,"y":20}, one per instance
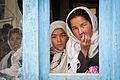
{"x":36,"y":39}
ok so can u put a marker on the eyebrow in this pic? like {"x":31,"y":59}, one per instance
{"x":60,"y":33}
{"x":84,"y":22}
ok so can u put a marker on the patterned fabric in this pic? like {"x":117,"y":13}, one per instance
{"x":56,"y":60}
{"x":59,"y":61}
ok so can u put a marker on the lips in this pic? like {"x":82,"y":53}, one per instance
{"x":16,"y":45}
{"x":59,"y":44}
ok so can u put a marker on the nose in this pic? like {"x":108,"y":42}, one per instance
{"x":58,"y":39}
{"x":80,"y":30}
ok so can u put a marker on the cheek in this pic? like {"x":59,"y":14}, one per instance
{"x":20,"y":42}
{"x":76,"y":33}
{"x":65,"y":40}
{"x":53,"y":42}
{"x":89,"y":32}
{"x":11,"y":43}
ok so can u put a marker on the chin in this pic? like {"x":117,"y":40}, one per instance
{"x":60,"y":49}
{"x":15,"y":49}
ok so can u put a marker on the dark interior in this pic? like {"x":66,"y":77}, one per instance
{"x":60,"y":8}
{"x":20,"y":4}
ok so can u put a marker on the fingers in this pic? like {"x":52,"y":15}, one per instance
{"x":85,"y":40}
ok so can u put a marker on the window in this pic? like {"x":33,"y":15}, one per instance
{"x":36,"y":42}
{"x":59,"y":13}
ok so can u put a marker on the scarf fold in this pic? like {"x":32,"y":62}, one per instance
{"x":59,"y":62}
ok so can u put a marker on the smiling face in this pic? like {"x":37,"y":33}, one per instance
{"x":80,"y":25}
{"x":59,"y":39}
{"x":15,"y":41}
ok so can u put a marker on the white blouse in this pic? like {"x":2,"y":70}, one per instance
{"x":15,"y":63}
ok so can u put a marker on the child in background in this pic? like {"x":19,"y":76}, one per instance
{"x":10,"y":64}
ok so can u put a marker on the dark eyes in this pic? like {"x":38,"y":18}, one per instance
{"x":61,"y":35}
{"x":74,"y":28}
{"x":53,"y":36}
{"x":84,"y":24}
{"x":17,"y":38}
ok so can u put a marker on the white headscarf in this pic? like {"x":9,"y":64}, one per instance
{"x":57,"y":24}
{"x":20,"y":33}
{"x":73,"y":45}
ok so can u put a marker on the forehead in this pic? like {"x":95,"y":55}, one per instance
{"x":79,"y":19}
{"x":58,"y":31}
{"x":14,"y":34}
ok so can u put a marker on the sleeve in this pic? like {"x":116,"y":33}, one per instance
{"x":84,"y":63}
{"x":3,"y":63}
{"x":13,"y":70}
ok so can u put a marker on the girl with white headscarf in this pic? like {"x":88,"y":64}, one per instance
{"x":82,"y":46}
{"x":10,"y":64}
{"x":59,"y":39}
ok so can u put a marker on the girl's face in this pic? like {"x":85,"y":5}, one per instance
{"x":80,"y":26}
{"x":15,"y":41}
{"x":59,"y":39}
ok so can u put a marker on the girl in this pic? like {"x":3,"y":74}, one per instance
{"x":58,"y":44}
{"x":10,"y":64}
{"x":82,"y":46}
